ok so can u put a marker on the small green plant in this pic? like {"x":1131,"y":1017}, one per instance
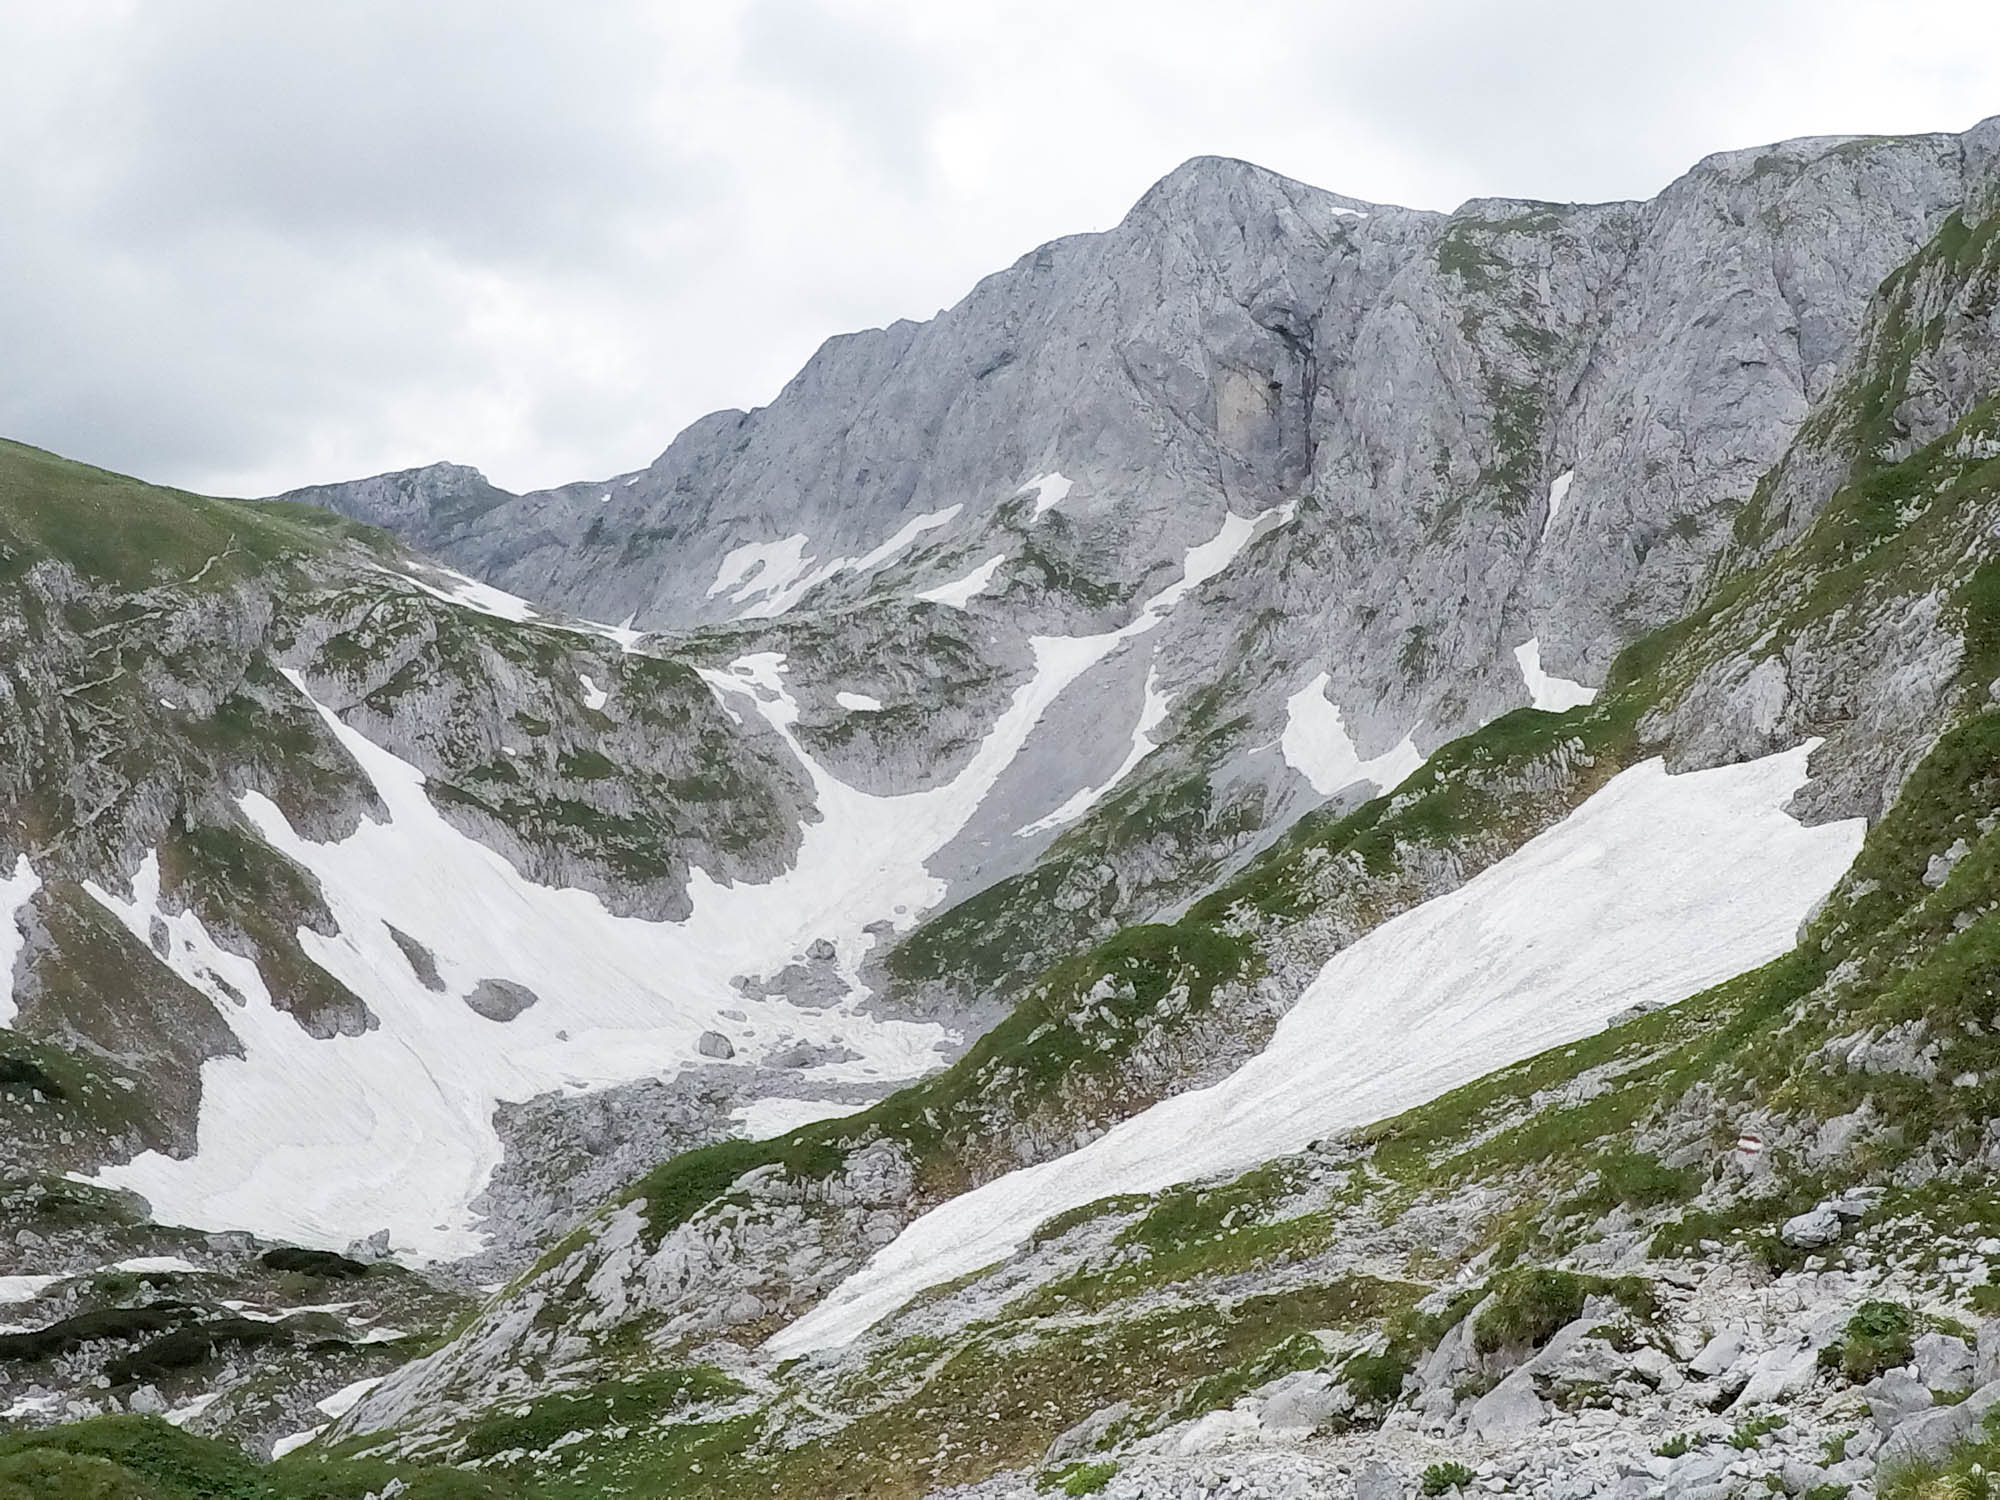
{"x":1828,"y":1492}
{"x":1676,"y":1445}
{"x":1747,"y":1436}
{"x":1082,"y":1478}
{"x":1446,"y":1476}
{"x":1986,"y":1298}
{"x":1834,"y":1449}
{"x":1527,"y":1307}
{"x":1375,"y":1377}
{"x":1878,"y":1339}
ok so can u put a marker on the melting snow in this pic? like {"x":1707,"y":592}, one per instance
{"x":483,"y":598}
{"x":1656,"y":888}
{"x":158,"y":1263}
{"x":959,"y":593}
{"x":344,"y":1400}
{"x":910,"y":532}
{"x":180,"y":1416}
{"x":859,"y":703}
{"x":1558,"y":492}
{"x":1556,"y":694}
{"x":1317,"y":746}
{"x":782,"y":574}
{"x":15,"y":890}
{"x":593,"y":695}
{"x":764,"y":1119}
{"x":760,"y":567}
{"x":24,"y":1288}
{"x":1050,"y":490}
{"x":1152,"y":714}
{"x":472,"y":594}
{"x":297,"y":1440}
{"x":320,"y":1141}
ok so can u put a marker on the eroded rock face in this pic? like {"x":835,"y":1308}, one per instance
{"x":1418,"y":381}
{"x":500,"y":999}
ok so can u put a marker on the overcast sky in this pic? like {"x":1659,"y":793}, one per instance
{"x":247,"y":245}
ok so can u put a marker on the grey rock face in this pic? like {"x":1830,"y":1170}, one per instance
{"x":1241,"y":341}
{"x":715,"y":1044}
{"x":500,"y":999}
{"x":1812,"y":1229}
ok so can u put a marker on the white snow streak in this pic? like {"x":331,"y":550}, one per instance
{"x":1558,"y":492}
{"x":910,"y":532}
{"x":1656,"y":888}
{"x":593,"y":695}
{"x":1152,"y":714}
{"x":344,"y":1400}
{"x":960,"y":592}
{"x":159,"y":1263}
{"x":1050,"y":491}
{"x":764,"y":1119}
{"x":15,"y":1289}
{"x":1316,"y":745}
{"x":180,"y":1416}
{"x":1556,"y":694}
{"x":858,"y":703}
{"x":470,"y":593}
{"x":297,"y":1440}
{"x":15,"y":890}
{"x":776,"y":575}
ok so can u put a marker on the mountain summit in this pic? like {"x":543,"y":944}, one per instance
{"x":1304,"y":848}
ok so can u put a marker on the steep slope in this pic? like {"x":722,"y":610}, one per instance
{"x":1520,"y":426}
{"x":345,"y":893}
{"x":1853,"y":1064}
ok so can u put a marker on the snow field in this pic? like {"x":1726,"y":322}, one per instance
{"x":1656,"y":888}
{"x":322,"y":1142}
{"x":1558,"y":492}
{"x":1316,"y":745}
{"x":1050,"y":490}
{"x":1555,"y":694}
{"x":961,"y":591}
{"x":773,"y":576}
{"x":1152,"y":714}
{"x":15,"y":890}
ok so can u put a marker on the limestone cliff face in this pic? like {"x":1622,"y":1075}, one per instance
{"x":1240,"y":342}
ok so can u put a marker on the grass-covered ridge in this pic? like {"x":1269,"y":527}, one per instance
{"x":121,"y":531}
{"x":143,"y":1458}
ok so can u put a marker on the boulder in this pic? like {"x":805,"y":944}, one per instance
{"x":1944,"y":1363}
{"x":1377,"y":1481}
{"x":1894,"y":1396}
{"x":1719,"y":1353}
{"x":1511,"y":1407}
{"x":1695,"y":1471}
{"x":1986,"y":1354}
{"x":1779,"y":1373}
{"x":500,"y":999}
{"x":1298,"y":1405}
{"x":1220,"y":1429}
{"x":1931,"y":1435}
{"x":715,"y":1044}
{"x":1087,"y":1436}
{"x":1812,"y":1229}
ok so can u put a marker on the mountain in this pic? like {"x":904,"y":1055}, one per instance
{"x":1301,"y":844}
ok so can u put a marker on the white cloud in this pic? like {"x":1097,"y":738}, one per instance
{"x":253,"y":246}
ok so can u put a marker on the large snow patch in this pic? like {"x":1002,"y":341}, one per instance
{"x":1316,"y":745}
{"x":1656,"y":888}
{"x":326,"y":1141}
